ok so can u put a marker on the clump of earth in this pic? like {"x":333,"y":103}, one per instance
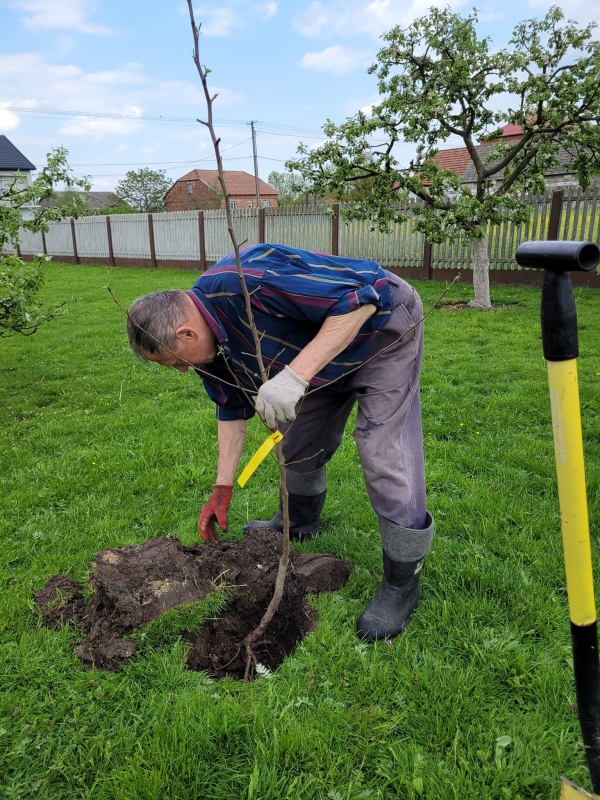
{"x":134,"y":585}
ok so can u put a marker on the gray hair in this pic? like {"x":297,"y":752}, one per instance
{"x":153,"y":320}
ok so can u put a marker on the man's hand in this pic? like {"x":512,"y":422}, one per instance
{"x":215,"y":508}
{"x":277,"y":399}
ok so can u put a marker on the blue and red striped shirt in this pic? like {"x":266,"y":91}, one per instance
{"x":292,"y":293}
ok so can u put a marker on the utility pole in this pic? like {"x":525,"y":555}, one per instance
{"x":255,"y":164}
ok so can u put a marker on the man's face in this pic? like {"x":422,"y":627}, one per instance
{"x":195,"y":346}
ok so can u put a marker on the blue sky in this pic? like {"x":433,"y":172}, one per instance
{"x":290,"y":64}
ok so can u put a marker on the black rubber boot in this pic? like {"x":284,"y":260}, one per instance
{"x":306,"y":491}
{"x":388,"y":614}
{"x":305,"y":512}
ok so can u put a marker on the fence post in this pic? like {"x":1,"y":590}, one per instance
{"x":75,"y":253}
{"x":111,"y":252}
{"x":151,"y":235}
{"x":427,"y":276}
{"x":44,"y":245}
{"x":262,"y":213}
{"x":555,"y":214}
{"x":335,"y":230}
{"x":202,"y":239}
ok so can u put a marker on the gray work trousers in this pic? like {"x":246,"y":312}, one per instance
{"x":388,"y":431}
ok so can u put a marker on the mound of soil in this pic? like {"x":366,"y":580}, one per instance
{"x":135,"y":585}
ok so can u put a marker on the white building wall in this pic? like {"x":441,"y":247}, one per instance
{"x":6,"y":178}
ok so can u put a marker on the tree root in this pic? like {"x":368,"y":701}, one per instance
{"x":231,"y":660}
{"x":251,"y":660}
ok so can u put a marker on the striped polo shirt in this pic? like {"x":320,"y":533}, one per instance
{"x":292,"y":293}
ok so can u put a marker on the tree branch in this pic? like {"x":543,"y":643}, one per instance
{"x":254,"y":635}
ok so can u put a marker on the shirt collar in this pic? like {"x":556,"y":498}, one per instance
{"x":208,"y":312}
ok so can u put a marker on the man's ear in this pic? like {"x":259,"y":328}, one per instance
{"x":186,"y":333}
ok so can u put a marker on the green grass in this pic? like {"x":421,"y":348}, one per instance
{"x":473,"y":701}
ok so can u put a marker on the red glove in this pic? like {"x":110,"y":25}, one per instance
{"x":215,"y":508}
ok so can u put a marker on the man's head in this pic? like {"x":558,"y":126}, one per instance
{"x":166,"y":327}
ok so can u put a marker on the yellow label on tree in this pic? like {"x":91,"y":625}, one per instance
{"x":258,"y":457}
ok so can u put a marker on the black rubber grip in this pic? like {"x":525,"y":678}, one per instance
{"x":559,"y":317}
{"x":587,"y":687}
{"x":559,"y":256}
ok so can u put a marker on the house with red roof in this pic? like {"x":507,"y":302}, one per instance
{"x":200,"y":189}
{"x":459,"y":161}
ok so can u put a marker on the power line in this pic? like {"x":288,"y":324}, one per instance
{"x":265,"y":128}
{"x":118,"y":174}
{"x":129,"y":163}
{"x":147,"y":163}
{"x":50,"y":113}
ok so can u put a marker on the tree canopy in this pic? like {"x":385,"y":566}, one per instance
{"x":144,"y":189}
{"x":20,"y":282}
{"x":291,"y":187}
{"x":437,"y":79}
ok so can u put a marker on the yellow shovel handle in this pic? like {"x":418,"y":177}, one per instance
{"x":258,"y":457}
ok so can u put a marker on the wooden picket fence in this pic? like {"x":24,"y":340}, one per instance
{"x":196,"y":239}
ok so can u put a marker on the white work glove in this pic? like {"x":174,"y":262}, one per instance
{"x":277,"y":399}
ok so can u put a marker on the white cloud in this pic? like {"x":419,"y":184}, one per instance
{"x":8,"y":120}
{"x":226,"y":97}
{"x":190,"y":94}
{"x":217,"y":21}
{"x":102,"y":185}
{"x":65,"y":86}
{"x":582,"y":11}
{"x":325,"y":18}
{"x":266,"y":10}
{"x":337,"y":59}
{"x":96,"y":129}
{"x":59,"y":15}
{"x":152,"y":148}
{"x":337,"y":18}
{"x":61,"y":45}
{"x":30,"y":79}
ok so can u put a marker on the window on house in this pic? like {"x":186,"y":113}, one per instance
{"x":249,"y":203}
{"x":233,"y":204}
{"x":190,"y":188}
{"x":265,"y":203}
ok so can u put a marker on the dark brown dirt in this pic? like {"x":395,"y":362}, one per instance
{"x":61,"y":600}
{"x":135,"y":585}
{"x":216,"y":647}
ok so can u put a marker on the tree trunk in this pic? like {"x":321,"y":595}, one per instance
{"x":481,"y":276}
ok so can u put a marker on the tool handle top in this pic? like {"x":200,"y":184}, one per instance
{"x":559,"y":256}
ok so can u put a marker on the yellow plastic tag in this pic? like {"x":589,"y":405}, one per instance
{"x":258,"y":457}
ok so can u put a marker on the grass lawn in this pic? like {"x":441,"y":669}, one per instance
{"x":475,"y":700}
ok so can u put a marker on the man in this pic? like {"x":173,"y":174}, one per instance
{"x":333,"y":331}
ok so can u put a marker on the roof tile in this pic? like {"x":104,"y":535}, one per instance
{"x":237,"y":182}
{"x":456,"y":159}
{"x":11,"y":158}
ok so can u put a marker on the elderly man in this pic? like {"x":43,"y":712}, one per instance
{"x":334,"y":332}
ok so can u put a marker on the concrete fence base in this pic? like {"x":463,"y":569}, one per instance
{"x":193,"y":241}
{"x":498,"y":277}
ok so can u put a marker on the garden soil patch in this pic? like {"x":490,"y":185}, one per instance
{"x":134,"y":585}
